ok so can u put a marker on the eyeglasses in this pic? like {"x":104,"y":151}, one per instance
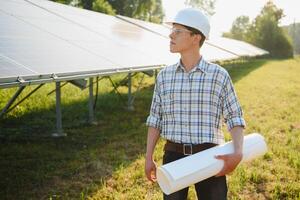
{"x":177,"y":31}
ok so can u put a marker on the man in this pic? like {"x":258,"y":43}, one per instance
{"x":189,"y":102}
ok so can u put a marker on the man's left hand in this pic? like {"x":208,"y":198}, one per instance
{"x":231,"y":161}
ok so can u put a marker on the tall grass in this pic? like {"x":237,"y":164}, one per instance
{"x":106,"y":161}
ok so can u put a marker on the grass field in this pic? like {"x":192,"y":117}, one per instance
{"x":105,"y":161}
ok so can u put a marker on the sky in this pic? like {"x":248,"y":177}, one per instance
{"x":228,"y":10}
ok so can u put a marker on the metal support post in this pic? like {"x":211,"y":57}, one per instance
{"x":28,"y":95}
{"x":12,"y":100}
{"x":130,"y":102}
{"x":91,"y":119}
{"x":59,"y":129}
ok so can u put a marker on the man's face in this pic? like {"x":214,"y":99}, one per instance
{"x":180,"y":39}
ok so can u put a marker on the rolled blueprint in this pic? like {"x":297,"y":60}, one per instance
{"x":187,"y":171}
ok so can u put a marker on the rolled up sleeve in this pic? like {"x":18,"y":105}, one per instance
{"x":232,"y":111}
{"x":154,"y":118}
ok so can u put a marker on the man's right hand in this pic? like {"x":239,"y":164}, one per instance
{"x":150,"y":170}
{"x":150,"y":166}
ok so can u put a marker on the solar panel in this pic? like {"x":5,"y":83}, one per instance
{"x":43,"y":39}
{"x":51,"y":43}
{"x":212,"y":53}
{"x":238,"y":47}
{"x":127,"y":37}
{"x":160,"y":29}
{"x":9,"y":68}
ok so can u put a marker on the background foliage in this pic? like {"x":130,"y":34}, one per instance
{"x":147,"y":10}
{"x":207,"y":5}
{"x":293,"y":31}
{"x":264,"y":31}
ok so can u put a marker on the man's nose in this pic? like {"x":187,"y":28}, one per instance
{"x":171,"y":35}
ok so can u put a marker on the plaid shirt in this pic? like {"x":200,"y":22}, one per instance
{"x":187,"y":107}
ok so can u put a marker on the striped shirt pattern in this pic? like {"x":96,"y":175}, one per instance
{"x":189,"y":107}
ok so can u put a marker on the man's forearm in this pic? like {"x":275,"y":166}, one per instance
{"x":238,"y":139}
{"x":232,"y":160}
{"x":152,"y":138}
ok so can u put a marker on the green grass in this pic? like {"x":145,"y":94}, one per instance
{"x":105,"y":161}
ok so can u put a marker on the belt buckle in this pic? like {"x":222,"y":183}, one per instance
{"x":190,"y":147}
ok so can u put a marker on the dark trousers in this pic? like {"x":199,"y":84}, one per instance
{"x":214,"y":188}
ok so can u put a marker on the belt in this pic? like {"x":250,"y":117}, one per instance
{"x":187,"y":149}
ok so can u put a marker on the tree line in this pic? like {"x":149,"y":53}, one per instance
{"x":293,"y":30}
{"x":147,"y":10}
{"x":264,"y":31}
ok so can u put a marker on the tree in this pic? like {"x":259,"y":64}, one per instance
{"x":266,"y":33}
{"x":87,"y":4}
{"x":156,"y":13}
{"x":104,"y":7}
{"x":63,"y":1}
{"x":96,"y":5}
{"x":206,"y":5}
{"x":293,"y":30}
{"x":239,"y":28}
{"x":149,"y":10}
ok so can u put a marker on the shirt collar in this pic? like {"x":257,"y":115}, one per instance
{"x":200,"y":66}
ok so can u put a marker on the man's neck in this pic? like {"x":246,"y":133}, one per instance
{"x":189,"y":61}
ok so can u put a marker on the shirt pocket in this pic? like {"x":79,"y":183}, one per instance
{"x":168,"y":104}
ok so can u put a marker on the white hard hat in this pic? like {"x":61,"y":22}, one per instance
{"x":194,"y":18}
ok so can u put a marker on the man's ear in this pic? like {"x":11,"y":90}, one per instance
{"x":197,"y":38}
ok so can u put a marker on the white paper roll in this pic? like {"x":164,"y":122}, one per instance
{"x":187,"y":171}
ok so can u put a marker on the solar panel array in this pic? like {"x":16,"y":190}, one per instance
{"x":43,"y":41}
{"x":216,"y":48}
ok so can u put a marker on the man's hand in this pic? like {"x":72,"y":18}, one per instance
{"x":231,"y":161}
{"x":150,"y":170}
{"x":150,"y":166}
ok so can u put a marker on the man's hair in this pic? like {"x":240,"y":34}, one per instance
{"x":195,"y":32}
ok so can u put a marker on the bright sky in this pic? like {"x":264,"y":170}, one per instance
{"x":228,"y":10}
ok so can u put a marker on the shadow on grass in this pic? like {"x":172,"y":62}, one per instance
{"x":241,"y":69}
{"x":36,"y":166}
